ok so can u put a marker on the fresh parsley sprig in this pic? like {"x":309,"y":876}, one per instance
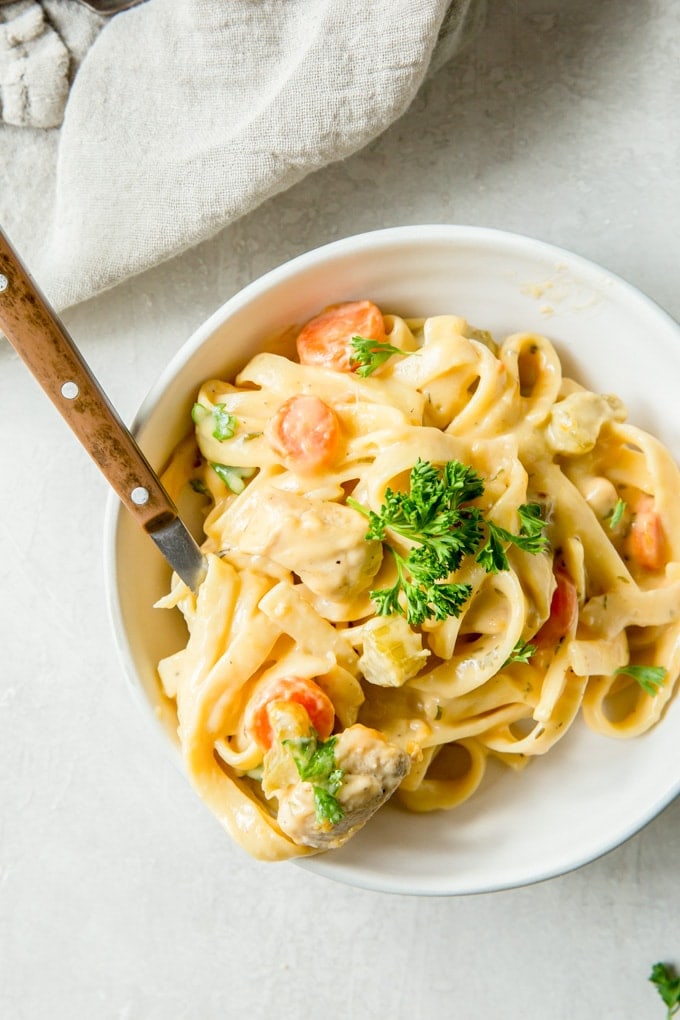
{"x":492,"y":555}
{"x":434,"y":514}
{"x":667,"y":983}
{"x":368,"y":355}
{"x":650,"y":678}
{"x":437,"y":515}
{"x":315,"y":763}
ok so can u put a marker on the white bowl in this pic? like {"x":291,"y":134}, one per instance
{"x":589,"y":793}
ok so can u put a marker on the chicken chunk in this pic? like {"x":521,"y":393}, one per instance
{"x":371,"y":768}
{"x":320,"y":541}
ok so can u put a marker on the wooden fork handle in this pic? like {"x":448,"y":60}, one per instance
{"x":41,"y":340}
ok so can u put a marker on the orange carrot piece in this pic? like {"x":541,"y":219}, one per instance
{"x":306,"y":431}
{"x":563,"y":613}
{"x":646,"y":540}
{"x":326,"y":340}
{"x":298,"y":690}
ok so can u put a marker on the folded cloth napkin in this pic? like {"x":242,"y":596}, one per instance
{"x":124,"y":142}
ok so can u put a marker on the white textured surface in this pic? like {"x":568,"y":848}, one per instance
{"x":119,"y":895}
{"x":195,"y":111}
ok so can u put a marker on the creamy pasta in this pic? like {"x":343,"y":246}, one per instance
{"x":427,"y":549}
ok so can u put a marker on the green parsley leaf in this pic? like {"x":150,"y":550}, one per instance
{"x":387,"y":602}
{"x":448,"y":599}
{"x":327,"y":807}
{"x":617,"y":513}
{"x":315,"y":763}
{"x":530,"y":538}
{"x":522,"y":652}
{"x":371,"y":354}
{"x":650,"y":678}
{"x":531,"y":526}
{"x":492,"y":554}
{"x":313,"y":759}
{"x":667,"y":983}
{"x":225,"y":423}
{"x":233,"y":477}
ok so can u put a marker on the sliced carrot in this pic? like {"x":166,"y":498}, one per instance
{"x":646,"y":540}
{"x":327,"y":338}
{"x":563,"y":613}
{"x":298,"y":690}
{"x":305,"y":431}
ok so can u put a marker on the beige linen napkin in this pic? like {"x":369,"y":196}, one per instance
{"x":179,"y":116}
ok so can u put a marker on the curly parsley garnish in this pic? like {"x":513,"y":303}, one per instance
{"x":369,"y":354}
{"x":315,"y":762}
{"x":437,"y":515}
{"x":667,"y":984}
{"x":650,"y":678}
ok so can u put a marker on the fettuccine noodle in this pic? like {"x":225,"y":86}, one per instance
{"x":286,"y":653}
